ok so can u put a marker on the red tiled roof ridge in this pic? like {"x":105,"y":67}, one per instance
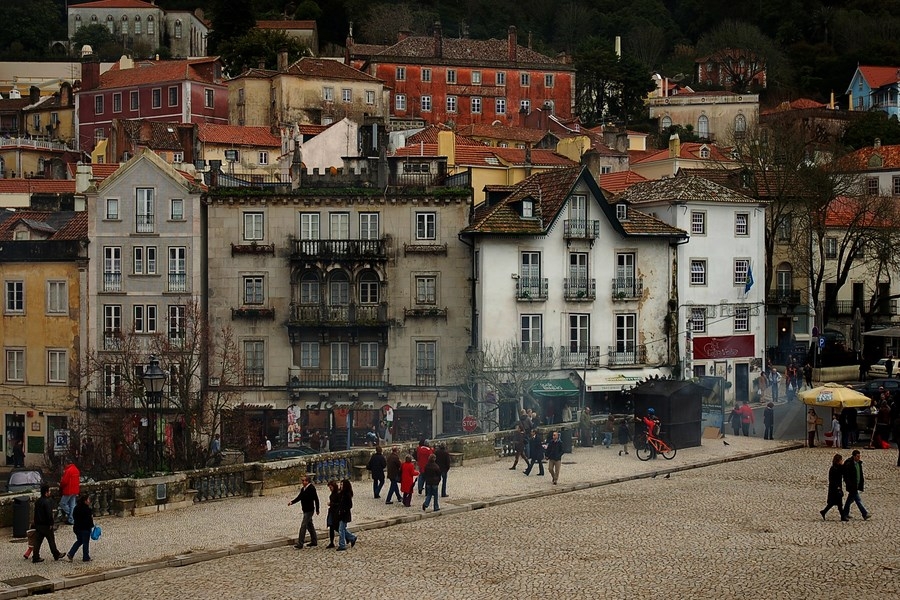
{"x":244,"y":135}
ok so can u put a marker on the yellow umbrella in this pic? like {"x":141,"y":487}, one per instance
{"x":834,"y":395}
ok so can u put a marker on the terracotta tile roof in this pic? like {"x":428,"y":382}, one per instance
{"x":258,"y":74}
{"x":483,"y":156}
{"x":615,"y":183}
{"x":642,"y":224}
{"x":155,"y":71}
{"x":99,"y":171}
{"x":37,"y":186}
{"x":503,"y":132}
{"x":286,"y":24}
{"x":429,"y":135}
{"x":154,"y":134}
{"x":798,"y":104}
{"x":66,"y":225}
{"x":16,"y":104}
{"x":328,"y":69}
{"x":237,"y":135}
{"x":310,"y":129}
{"x":466,"y":50}
{"x":870,"y":211}
{"x":114,"y":4}
{"x":682,"y":189}
{"x":367,"y":49}
{"x":689,"y":151}
{"x":879,"y":76}
{"x":872,"y":159}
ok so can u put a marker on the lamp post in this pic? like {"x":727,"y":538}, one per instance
{"x":154,"y":378}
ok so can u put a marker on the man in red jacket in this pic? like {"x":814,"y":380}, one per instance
{"x":69,"y":488}
{"x":423,"y":452}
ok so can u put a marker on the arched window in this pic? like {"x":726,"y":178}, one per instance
{"x":151,"y":25}
{"x":784,"y":279}
{"x":309,"y":289}
{"x":177,"y":28}
{"x":703,"y":127}
{"x":665,"y":123}
{"x":369,"y":288}
{"x":78,"y":22}
{"x":124,"y":24}
{"x":740,"y":124}
{"x":137,"y":25}
{"x":339,"y":289}
{"x":110,"y":24}
{"x":93,"y":19}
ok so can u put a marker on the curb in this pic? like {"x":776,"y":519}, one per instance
{"x":181,"y":560}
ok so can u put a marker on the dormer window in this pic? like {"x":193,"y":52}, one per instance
{"x":704,"y":152}
{"x":622,"y":211}
{"x":527,"y":209}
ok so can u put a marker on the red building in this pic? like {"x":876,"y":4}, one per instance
{"x":176,"y":91}
{"x":442,"y":80}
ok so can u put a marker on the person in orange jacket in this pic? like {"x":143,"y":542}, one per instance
{"x":746,"y":417}
{"x":69,"y":488}
{"x":408,"y":475}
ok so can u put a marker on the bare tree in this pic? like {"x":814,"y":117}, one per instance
{"x":742,"y":53}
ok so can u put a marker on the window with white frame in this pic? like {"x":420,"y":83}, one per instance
{"x":742,"y":318}
{"x":112,"y":269}
{"x":253,"y":226}
{"x":309,"y":226}
{"x":401,"y":74}
{"x":346,"y":95}
{"x":703,"y":127}
{"x":338,"y":289}
{"x":426,"y":226}
{"x":525,"y":106}
{"x":370,"y":97}
{"x":145,"y":217}
{"x":135,"y":100}
{"x":144,"y":260}
{"x":698,"y":222}
{"x":309,"y":355}
{"x":151,"y":26}
{"x":501,"y":78}
{"x":451,"y":76}
{"x":309,"y":289}
{"x":369,"y":288}
{"x":872,"y":188}
{"x":425,"y":103}
{"x":15,"y":364}
{"x":57,"y":297}
{"x":476,"y":105}
{"x":176,"y":324}
{"x":579,"y":333}
{"x":426,"y":363}
{"x":340,"y":361}
{"x":117,"y":102}
{"x":548,"y":80}
{"x":831,"y":247}
{"x":209,"y":98}
{"x":698,"y":319}
{"x":451,"y":104}
{"x":112,"y":326}
{"x":531,"y":333}
{"x":626,"y":337}
{"x":178,"y":157}
{"x":98,"y":104}
{"x":895,"y":185}
{"x":426,"y":75}
{"x":254,"y":362}
{"x":112,"y":379}
{"x":173,"y":96}
{"x":254,"y":289}
{"x":742,"y":224}
{"x":476,"y":77}
{"x":328,"y":94}
{"x":178,"y":29}
{"x":144,"y":318}
{"x":177,"y":269}
{"x":525,"y":79}
{"x":369,"y":226}
{"x":622,"y":211}
{"x":176,"y":209}
{"x":339,"y":226}
{"x":426,"y":289}
{"x":156,"y":98}
{"x":500,"y":106}
{"x":704,"y":152}
{"x":399,"y":101}
{"x":741,"y":268}
{"x":784,"y":230}
{"x":698,"y":271}
{"x":368,"y":355}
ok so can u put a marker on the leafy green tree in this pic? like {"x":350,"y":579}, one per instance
{"x":743,"y":52}
{"x":98,"y":37}
{"x":609,"y":87}
{"x":258,"y":46}
{"x":875,"y":124}
{"x":229,"y":20}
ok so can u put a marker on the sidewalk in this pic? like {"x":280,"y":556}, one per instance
{"x":216,"y":529}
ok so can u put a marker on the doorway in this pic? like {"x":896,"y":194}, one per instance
{"x":15,"y":432}
{"x":742,"y":382}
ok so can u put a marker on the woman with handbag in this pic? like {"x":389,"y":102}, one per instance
{"x":83,"y":525}
{"x":331,"y":517}
{"x":345,"y":507}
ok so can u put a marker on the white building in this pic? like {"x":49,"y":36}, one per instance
{"x":721,"y":316}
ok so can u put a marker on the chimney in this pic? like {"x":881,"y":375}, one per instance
{"x":618,"y":46}
{"x":877,"y":143}
{"x":83,"y":175}
{"x":348,"y":44}
{"x":282,"y":60}
{"x":34,"y":94}
{"x":438,"y":40}
{"x":90,"y":73}
{"x":674,"y":146}
{"x":512,"y":44}
{"x":528,"y":164}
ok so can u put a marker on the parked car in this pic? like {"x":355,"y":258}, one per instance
{"x":24,"y":480}
{"x":291,"y":452}
{"x":879,"y":369}
{"x":872,"y":388}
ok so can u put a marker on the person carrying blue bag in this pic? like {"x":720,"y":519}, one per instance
{"x":84,"y":529}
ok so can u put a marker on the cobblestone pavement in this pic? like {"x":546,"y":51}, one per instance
{"x":730,"y":530}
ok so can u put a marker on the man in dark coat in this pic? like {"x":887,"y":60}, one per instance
{"x":309,"y":502}
{"x":393,"y":475}
{"x":377,"y":465}
{"x":537,"y":453}
{"x":432,"y":477}
{"x":855,"y":483}
{"x":554,"y":454}
{"x":443,"y":460}
{"x":43,"y":525}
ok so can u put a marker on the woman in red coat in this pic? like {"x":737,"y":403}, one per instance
{"x":408,"y":475}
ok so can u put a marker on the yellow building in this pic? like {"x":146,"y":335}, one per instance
{"x":43,"y":262}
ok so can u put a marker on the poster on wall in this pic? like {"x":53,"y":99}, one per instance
{"x":294,"y":425}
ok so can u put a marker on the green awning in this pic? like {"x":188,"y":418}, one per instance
{"x":555,"y":388}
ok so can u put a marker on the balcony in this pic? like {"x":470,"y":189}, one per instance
{"x":783,"y":296}
{"x":252,"y":248}
{"x":627,"y":288}
{"x":426,"y":312}
{"x":177,"y":282}
{"x":578,"y":289}
{"x":586,"y":356}
{"x":374,"y":315}
{"x":254,"y":377}
{"x":121,"y":399}
{"x":112,"y":282}
{"x":426,"y":378}
{"x":326,"y":378}
{"x":579,"y":229}
{"x":112,"y":340}
{"x":253,"y":313}
{"x":338,"y":250}
{"x":145,"y":223}
{"x":540,"y":356}
{"x":531,"y":289}
{"x":635,"y":355}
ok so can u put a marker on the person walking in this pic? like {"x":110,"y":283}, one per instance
{"x":376,"y":465}
{"x":43,"y":525}
{"x":835,"y":430}
{"x":422,"y":454}
{"x":807,"y":375}
{"x":624,"y":436}
{"x":70,"y":488}
{"x":309,"y":502}
{"x":747,"y":418}
{"x":554,"y":454}
{"x":84,"y":524}
{"x":408,"y":475}
{"x":432,"y":477}
{"x":774,"y":382}
{"x":331,"y":517}
{"x":18,"y":454}
{"x":609,"y":427}
{"x":735,"y":419}
{"x":518,"y":447}
{"x":585,"y":430}
{"x":769,"y":421}
{"x":393,"y":475}
{"x":443,"y":461}
{"x":812,"y":428}
{"x":536,"y":451}
{"x":855,"y":482}
{"x":835,"y":486}
{"x":345,"y":508}
{"x":215,"y":451}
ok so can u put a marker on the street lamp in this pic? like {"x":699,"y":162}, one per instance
{"x":154,"y":378}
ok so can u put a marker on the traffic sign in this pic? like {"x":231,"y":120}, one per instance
{"x":822,"y":343}
{"x":469,"y":424}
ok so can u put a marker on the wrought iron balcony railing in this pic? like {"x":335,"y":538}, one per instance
{"x":531,"y":288}
{"x":627,"y":288}
{"x":579,"y":229}
{"x":585,"y":356}
{"x":579,"y":288}
{"x":627,"y":354}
